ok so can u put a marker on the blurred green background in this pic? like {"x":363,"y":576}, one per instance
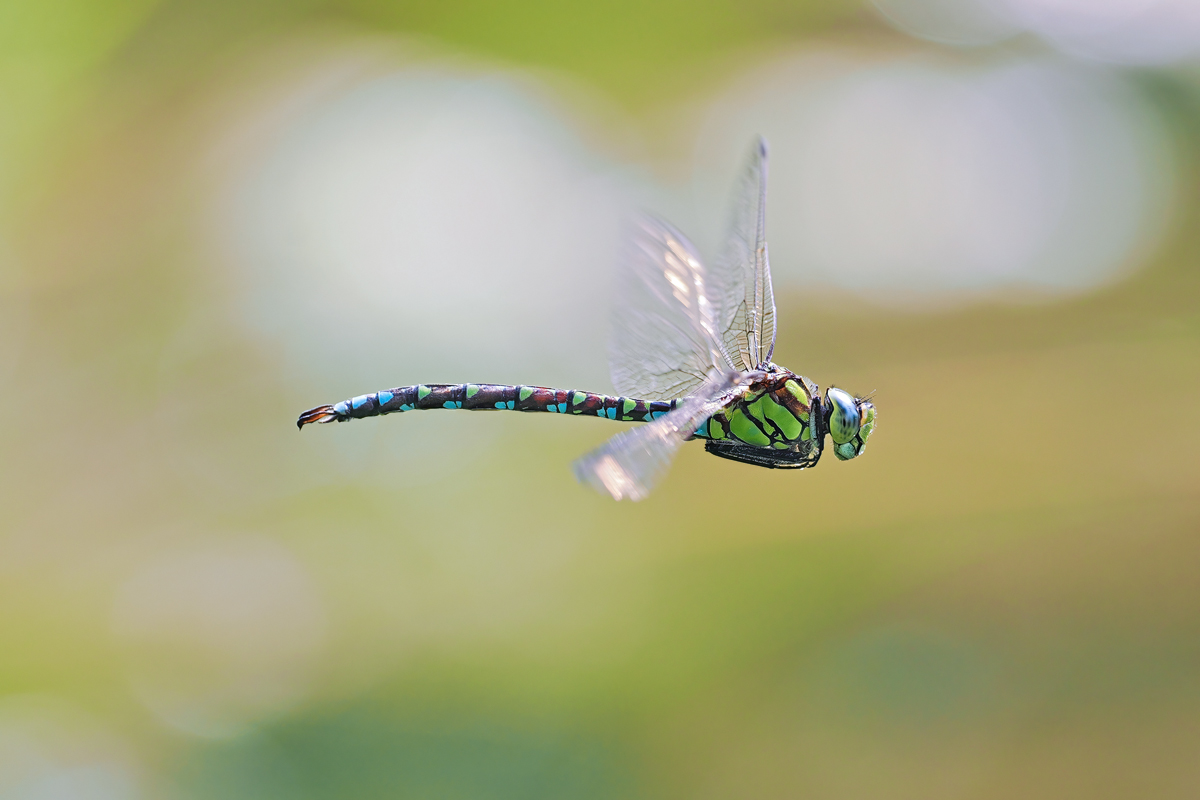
{"x":212,"y":217}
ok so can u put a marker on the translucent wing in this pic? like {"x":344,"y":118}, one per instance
{"x":742,"y":277}
{"x":665,"y":339}
{"x":629,"y":464}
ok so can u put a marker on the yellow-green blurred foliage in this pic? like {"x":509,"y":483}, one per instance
{"x":998,"y":600}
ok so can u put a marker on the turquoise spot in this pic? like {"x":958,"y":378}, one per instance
{"x":385,"y":398}
{"x":452,"y":404}
{"x":405,"y":408}
{"x":562,"y":408}
{"x":502,"y":404}
{"x":341,"y":408}
{"x":360,"y":401}
{"x":611,"y":413}
{"x":657,"y":414}
{"x":702,"y":431}
{"x":511,"y":405}
{"x":553,"y":409}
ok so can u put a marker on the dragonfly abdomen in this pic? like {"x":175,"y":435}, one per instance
{"x":488,"y":397}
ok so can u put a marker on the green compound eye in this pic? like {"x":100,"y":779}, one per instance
{"x":855,"y":447}
{"x":844,"y":421}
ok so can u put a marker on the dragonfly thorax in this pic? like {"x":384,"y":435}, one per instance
{"x":780,"y":410}
{"x":775,"y":411}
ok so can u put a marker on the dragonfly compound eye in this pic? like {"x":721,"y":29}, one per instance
{"x":854,"y":447}
{"x":844,"y":418}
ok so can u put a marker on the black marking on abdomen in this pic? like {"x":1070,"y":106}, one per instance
{"x":489,"y":397}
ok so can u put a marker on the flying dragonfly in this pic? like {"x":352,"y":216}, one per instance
{"x":691,"y":357}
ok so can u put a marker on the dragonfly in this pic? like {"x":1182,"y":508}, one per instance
{"x":690,"y":356}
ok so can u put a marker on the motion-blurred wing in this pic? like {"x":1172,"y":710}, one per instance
{"x":629,"y":464}
{"x":665,"y":339}
{"x":742,"y":277}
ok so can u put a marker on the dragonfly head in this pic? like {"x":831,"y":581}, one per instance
{"x":850,"y":421}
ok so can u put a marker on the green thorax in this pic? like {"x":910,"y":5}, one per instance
{"x":774,"y":412}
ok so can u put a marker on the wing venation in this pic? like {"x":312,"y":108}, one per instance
{"x":742,"y":276}
{"x":665,"y":339}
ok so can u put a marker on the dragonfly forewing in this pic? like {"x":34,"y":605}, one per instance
{"x":742,"y":275}
{"x":664,"y":339}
